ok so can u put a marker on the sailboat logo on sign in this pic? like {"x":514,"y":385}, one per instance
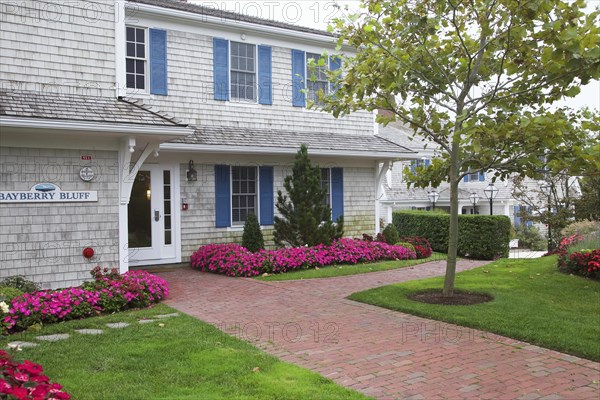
{"x":45,"y":187}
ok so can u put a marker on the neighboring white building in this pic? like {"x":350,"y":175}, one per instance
{"x":396,"y":195}
{"x":144,"y":128}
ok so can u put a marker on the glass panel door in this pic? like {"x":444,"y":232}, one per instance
{"x":140,"y":210}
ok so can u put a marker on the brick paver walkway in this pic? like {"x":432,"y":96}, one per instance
{"x":385,"y":354}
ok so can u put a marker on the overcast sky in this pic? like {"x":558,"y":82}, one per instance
{"x":318,"y":13}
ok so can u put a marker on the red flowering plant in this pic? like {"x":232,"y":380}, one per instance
{"x":235,"y":260}
{"x":25,"y":381}
{"x":563,"y":246}
{"x":585,"y":263}
{"x":421,"y":245}
{"x":109,"y":292}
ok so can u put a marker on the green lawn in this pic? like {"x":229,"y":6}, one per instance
{"x":532,"y":302}
{"x":343,"y":270}
{"x":185,"y":359}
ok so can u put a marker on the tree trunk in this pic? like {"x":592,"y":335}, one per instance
{"x":453,"y":230}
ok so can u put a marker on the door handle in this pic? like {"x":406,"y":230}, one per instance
{"x":156,"y":214}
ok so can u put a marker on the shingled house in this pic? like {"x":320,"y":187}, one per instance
{"x":139,"y":138}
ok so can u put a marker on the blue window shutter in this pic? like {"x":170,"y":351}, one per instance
{"x":427,"y":162}
{"x":298,"y":75}
{"x":265,"y":74}
{"x":335,"y":63}
{"x":337,"y":193}
{"x":481,"y":176}
{"x":517,"y":219}
{"x":266,"y":195}
{"x":158,"y":62}
{"x":221,"y":69}
{"x":466,"y":178}
{"x":413,"y":165}
{"x":529,"y":223}
{"x":222,"y":196}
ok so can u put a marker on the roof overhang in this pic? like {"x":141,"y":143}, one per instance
{"x":263,"y":150}
{"x":218,"y":23}
{"x":160,"y":132}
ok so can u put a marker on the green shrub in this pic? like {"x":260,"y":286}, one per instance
{"x":531,"y":238}
{"x":483,"y":237}
{"x":253,"y":239}
{"x":581,"y":227}
{"x":407,"y":246}
{"x":390,"y":234}
{"x":9,"y":293}
{"x":21,"y":283}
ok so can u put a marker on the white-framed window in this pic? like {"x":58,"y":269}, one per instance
{"x":136,"y":57}
{"x":474,"y":176}
{"x":243,"y":72}
{"x":326,"y":184}
{"x":317,"y":79}
{"x":244,"y":193}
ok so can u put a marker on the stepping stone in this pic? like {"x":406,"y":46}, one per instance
{"x":90,"y":331}
{"x":53,"y":338}
{"x":146,"y":321}
{"x":118,"y":325}
{"x":163,"y":316}
{"x":14,"y":345}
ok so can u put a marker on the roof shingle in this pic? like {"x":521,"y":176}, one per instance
{"x":290,"y":140}
{"x":31,"y":104}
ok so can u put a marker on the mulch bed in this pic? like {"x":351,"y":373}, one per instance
{"x":460,"y":298}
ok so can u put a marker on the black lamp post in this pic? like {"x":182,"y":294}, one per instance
{"x":491,"y":192}
{"x":547,"y":190}
{"x":474,"y":197}
{"x":433,"y":197}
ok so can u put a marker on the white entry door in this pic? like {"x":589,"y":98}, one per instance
{"x":153,"y":216}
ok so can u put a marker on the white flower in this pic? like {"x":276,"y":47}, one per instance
{"x":4,"y":307}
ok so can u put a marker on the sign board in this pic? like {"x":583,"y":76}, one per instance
{"x":86,"y":157}
{"x":47,"y":193}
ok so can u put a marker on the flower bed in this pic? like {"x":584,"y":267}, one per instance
{"x":235,"y":260}
{"x":25,"y":381}
{"x":585,"y":263}
{"x":109,"y":292}
{"x":421,"y":245}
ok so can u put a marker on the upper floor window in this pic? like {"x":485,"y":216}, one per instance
{"x":244,"y":183}
{"x":474,"y":176}
{"x":317,"y":79}
{"x":136,"y":58}
{"x":306,"y":81}
{"x":243,"y":71}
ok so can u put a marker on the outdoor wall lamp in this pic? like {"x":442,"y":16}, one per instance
{"x":491,"y":192}
{"x":192,"y":175}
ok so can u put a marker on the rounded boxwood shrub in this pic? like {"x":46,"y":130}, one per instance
{"x":9,"y":293}
{"x":390,"y":234}
{"x":406,"y":245}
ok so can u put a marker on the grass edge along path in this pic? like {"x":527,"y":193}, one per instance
{"x":533,"y":302}
{"x":347,"y":270}
{"x":184,"y":358}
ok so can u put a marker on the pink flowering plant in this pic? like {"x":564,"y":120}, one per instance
{"x":109,"y":292}
{"x":25,"y":381}
{"x":235,"y":260}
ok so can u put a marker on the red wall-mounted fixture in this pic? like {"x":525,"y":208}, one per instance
{"x":88,"y":252}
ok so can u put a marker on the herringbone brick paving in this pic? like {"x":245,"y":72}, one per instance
{"x":382,"y":353}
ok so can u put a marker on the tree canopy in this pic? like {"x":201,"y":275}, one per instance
{"x":476,"y":77}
